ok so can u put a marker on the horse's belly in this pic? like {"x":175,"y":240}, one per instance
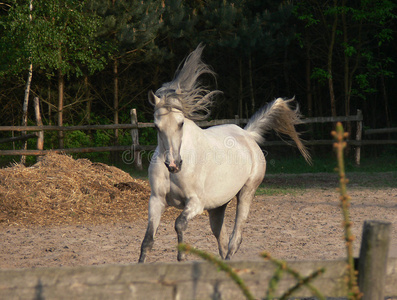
{"x":221,"y":188}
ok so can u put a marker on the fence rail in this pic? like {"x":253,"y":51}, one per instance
{"x":134,"y":126}
{"x":200,"y":280}
{"x":380,"y":130}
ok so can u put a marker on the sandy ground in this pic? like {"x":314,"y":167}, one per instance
{"x":298,"y":218}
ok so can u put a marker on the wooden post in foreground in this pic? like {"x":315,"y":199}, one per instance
{"x":135,"y":140}
{"x":373,"y":259}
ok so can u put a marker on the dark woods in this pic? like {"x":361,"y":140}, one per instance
{"x":92,"y":61}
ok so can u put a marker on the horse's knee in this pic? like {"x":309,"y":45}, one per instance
{"x":181,"y":223}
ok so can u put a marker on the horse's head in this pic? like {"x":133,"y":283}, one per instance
{"x":183,"y":97}
{"x":169,"y":121}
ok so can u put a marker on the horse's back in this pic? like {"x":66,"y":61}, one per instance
{"x":232,"y":137}
{"x":232,"y":159}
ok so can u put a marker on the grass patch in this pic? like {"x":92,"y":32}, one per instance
{"x":297,"y":165}
{"x":133,"y":171}
{"x":266,"y":190}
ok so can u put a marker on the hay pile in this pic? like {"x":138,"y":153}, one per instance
{"x":60,"y":190}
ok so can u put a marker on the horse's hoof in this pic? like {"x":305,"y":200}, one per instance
{"x":181,"y":257}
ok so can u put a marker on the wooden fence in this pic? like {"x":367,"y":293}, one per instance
{"x":134,"y":126}
{"x":200,"y":280}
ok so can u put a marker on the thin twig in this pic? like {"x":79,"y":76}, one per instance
{"x":339,"y":146}
{"x":302,"y":281}
{"x":221,"y":265}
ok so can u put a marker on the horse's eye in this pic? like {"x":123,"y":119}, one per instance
{"x":181,"y":125}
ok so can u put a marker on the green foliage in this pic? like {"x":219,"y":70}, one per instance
{"x":148,"y":136}
{"x":363,"y":33}
{"x":54,"y":35}
{"x":248,"y":26}
{"x":320,"y":74}
{"x":102,"y":138}
{"x":260,"y":50}
{"x":77,"y":139}
{"x":131,"y":26}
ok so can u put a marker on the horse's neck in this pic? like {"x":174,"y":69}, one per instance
{"x":191,"y":131}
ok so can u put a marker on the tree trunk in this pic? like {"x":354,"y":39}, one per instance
{"x":114,"y":155}
{"x":25,"y":109}
{"x":116,"y":100}
{"x":346,"y":75}
{"x":251,"y":86}
{"x":240,"y":90}
{"x":329,"y":64}
{"x":88,"y":106}
{"x":89,"y":101}
{"x":40,"y":138}
{"x":285,"y":73}
{"x":49,"y":105}
{"x":309,"y":94}
{"x":135,"y":140}
{"x":386,"y":101}
{"x":27,"y":92}
{"x":61,"y":85}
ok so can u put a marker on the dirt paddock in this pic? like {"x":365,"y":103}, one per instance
{"x":65,"y":212}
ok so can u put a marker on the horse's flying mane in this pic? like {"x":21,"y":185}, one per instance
{"x":195,"y":100}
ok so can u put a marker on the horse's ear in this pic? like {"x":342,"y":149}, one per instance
{"x":153,"y":99}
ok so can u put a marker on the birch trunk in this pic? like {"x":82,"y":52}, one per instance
{"x":25,"y":109}
{"x":27,"y":92}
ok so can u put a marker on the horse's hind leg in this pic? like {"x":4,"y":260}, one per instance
{"x":156,"y":208}
{"x":244,"y":199}
{"x":217,"y":216}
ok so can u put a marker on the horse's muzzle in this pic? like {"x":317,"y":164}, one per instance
{"x":174,"y":167}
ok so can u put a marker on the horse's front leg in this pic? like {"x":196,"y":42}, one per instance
{"x":156,"y":208}
{"x":192,"y":208}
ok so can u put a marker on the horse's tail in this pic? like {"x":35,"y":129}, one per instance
{"x":279,"y":116}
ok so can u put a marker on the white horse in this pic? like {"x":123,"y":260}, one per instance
{"x":219,"y":163}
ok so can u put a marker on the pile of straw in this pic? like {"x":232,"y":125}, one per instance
{"x":60,"y":190}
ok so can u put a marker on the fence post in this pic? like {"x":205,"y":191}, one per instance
{"x":135,"y":140}
{"x":237,"y":120}
{"x":373,"y":259}
{"x":40,"y":140}
{"x":359,"y":133}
